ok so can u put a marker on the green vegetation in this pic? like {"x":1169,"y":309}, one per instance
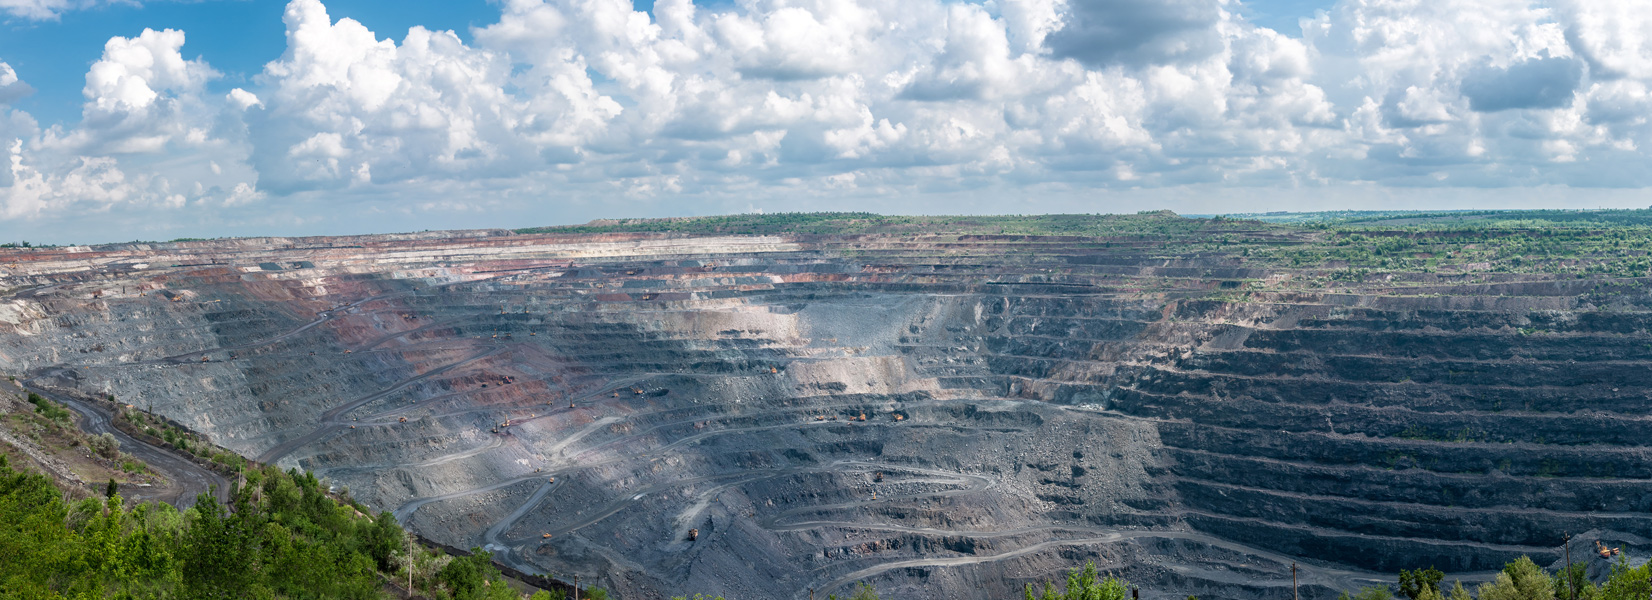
{"x":180,"y":439}
{"x":1521,"y":580}
{"x":1143,"y":224}
{"x":1421,"y":584}
{"x":1083,"y":584}
{"x":286,"y":537}
{"x":51,"y":410}
{"x":1344,"y":247}
{"x":1375,"y":592}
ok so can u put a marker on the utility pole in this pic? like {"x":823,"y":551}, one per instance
{"x":1293,"y":581}
{"x":576,"y":587}
{"x":410,"y":562}
{"x":1570,"y":593}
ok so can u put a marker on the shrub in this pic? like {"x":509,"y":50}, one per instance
{"x":105,"y":445}
{"x":50,"y":410}
{"x":1375,"y":592}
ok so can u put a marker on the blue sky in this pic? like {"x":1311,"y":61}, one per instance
{"x":323,"y":116}
{"x":53,"y":55}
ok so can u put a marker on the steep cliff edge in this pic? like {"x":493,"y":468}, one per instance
{"x":940,"y":409}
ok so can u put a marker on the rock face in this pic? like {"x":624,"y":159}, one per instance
{"x":941,"y":416}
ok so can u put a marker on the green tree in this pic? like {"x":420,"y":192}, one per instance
{"x":472,"y":577}
{"x":216,"y":559}
{"x":1573,"y":583}
{"x":382,"y":537}
{"x":1084,"y":584}
{"x":34,"y":545}
{"x":295,"y":543}
{"x":1520,"y":580}
{"x":1414,"y":584}
{"x":1627,"y":584}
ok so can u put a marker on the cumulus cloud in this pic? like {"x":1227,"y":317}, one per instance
{"x":579,"y":102}
{"x":1534,"y":83}
{"x":147,"y":139}
{"x":344,"y":108}
{"x":11,"y":88}
{"x":1105,"y":32}
{"x":141,"y":97}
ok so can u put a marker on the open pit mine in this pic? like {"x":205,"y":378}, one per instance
{"x":940,"y":414}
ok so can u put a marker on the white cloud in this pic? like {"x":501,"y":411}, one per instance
{"x":570,"y":103}
{"x":11,"y":88}
{"x":141,"y":97}
{"x":243,"y":99}
{"x":148,"y":139}
{"x":1615,"y":37}
{"x":91,"y":181}
{"x":35,"y":9}
{"x":342,"y":102}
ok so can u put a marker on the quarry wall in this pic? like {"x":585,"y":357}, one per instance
{"x":940,"y":415}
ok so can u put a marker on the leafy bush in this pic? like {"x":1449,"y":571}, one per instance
{"x":474,"y":578}
{"x":231,"y":460}
{"x":51,"y":410}
{"x":105,"y":445}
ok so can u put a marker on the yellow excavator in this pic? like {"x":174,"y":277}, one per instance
{"x":1606,"y":552}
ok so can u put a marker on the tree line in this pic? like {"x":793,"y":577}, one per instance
{"x":281,"y":536}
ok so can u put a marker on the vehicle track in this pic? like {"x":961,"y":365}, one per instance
{"x":326,"y":315}
{"x":329,"y":423}
{"x":189,"y":478}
